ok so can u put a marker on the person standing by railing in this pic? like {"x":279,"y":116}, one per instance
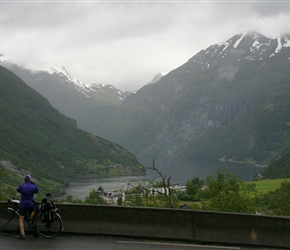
{"x":27,"y":204}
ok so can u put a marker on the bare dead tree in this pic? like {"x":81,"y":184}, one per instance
{"x":165,"y":181}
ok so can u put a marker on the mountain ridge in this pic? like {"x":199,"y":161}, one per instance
{"x":36,"y":138}
{"x":222,"y":99}
{"x":204,"y":99}
{"x":70,"y":96}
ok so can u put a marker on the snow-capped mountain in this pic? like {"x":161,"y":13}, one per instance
{"x":250,"y":46}
{"x":256,"y":46}
{"x":69,"y":95}
{"x":98,"y":91}
{"x":68,"y":79}
{"x":230,"y":101}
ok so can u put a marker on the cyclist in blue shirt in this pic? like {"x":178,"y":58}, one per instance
{"x":27,"y":204}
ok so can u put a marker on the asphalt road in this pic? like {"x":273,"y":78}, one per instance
{"x":105,"y":243}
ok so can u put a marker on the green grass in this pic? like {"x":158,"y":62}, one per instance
{"x":264,"y":186}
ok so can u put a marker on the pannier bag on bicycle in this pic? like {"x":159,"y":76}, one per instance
{"x":48,"y":208}
{"x":14,"y":204}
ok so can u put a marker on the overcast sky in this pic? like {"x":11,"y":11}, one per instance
{"x":125,"y":43}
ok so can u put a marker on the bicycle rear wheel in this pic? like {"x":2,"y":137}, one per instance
{"x":9,"y":222}
{"x":48,"y":228}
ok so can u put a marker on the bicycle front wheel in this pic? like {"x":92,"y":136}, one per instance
{"x":9,"y":220}
{"x":48,"y":228}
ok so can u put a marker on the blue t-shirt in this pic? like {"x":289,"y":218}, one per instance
{"x":27,"y":191}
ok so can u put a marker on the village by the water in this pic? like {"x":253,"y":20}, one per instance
{"x":114,"y":196}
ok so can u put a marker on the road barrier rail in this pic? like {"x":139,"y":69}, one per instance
{"x":176,"y":224}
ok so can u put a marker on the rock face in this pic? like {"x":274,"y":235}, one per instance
{"x":225,"y":102}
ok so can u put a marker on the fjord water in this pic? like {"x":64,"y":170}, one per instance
{"x":180,"y":169}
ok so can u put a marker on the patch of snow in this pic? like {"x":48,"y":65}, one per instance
{"x":279,"y":46}
{"x":62,"y":71}
{"x":238,"y":41}
{"x":226,"y":45}
{"x":286,"y":44}
{"x":256,"y":45}
{"x":214,"y":52}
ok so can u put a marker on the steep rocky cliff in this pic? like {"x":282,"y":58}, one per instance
{"x":230,"y":101}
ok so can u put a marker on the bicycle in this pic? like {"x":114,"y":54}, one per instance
{"x":46,"y":224}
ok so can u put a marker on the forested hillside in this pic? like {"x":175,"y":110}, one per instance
{"x":279,"y":168}
{"x":36,"y":138}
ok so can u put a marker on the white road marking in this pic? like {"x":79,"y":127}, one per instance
{"x":176,"y":244}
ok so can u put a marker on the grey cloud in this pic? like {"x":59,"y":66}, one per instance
{"x":124,"y":43}
{"x":271,"y":9}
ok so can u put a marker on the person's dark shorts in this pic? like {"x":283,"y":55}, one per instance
{"x":25,"y":212}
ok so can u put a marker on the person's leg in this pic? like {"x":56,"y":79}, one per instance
{"x":21,"y":225}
